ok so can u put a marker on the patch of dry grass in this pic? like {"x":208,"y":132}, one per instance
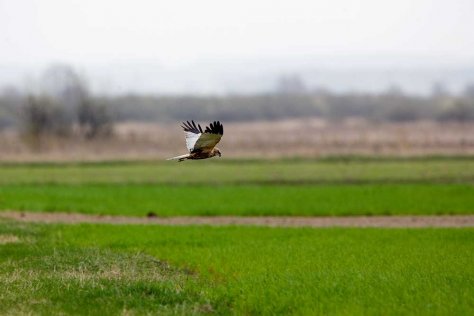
{"x":50,"y":280}
{"x":8,"y":239}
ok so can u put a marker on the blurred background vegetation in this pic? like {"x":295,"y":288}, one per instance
{"x":61,"y":112}
{"x":63,"y":103}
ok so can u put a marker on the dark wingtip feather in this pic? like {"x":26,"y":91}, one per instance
{"x":215,"y":127}
{"x":221,"y":128}
{"x":191,"y":127}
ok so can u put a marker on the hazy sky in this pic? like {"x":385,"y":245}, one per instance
{"x":176,"y":32}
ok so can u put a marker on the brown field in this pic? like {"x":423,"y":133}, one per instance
{"x":288,"y":138}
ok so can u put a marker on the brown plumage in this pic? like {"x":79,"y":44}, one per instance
{"x":201,"y":145}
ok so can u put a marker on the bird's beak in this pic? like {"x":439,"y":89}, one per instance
{"x":220,"y":155}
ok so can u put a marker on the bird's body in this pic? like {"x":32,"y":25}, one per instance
{"x":201,"y":145}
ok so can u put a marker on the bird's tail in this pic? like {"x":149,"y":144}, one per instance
{"x":180,"y":158}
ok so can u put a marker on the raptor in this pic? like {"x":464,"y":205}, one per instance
{"x":201,"y":144}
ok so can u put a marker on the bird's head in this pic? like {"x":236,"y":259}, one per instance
{"x":217,"y":152}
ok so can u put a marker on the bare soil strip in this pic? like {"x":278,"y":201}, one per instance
{"x":271,"y":221}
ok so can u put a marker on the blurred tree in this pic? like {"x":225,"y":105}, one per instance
{"x":94,"y":120}
{"x":64,"y":106}
{"x":469,"y":91}
{"x":41,"y":116}
{"x":459,"y":110}
{"x":291,"y":84}
{"x":65,"y":85}
{"x":10,"y":101}
{"x":439,"y":90}
{"x":71,"y":91}
{"x":394,"y":90}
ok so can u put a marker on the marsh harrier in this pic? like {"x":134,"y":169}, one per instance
{"x":201,"y":145}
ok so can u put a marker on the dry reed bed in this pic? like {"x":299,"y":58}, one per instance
{"x":289,"y":138}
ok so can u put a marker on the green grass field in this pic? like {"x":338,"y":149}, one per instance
{"x":248,"y":187}
{"x":137,"y":270}
{"x":296,"y":171}
{"x":245,"y":200}
{"x":108,"y":270}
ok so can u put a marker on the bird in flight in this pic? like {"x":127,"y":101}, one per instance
{"x":201,"y":145}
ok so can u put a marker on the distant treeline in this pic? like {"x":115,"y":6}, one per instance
{"x":390,"y":106}
{"x":63,"y":104}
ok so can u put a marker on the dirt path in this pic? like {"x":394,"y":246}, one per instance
{"x":272,"y":221}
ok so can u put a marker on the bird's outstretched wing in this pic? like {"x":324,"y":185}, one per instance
{"x":199,"y":141}
{"x":192,"y":132}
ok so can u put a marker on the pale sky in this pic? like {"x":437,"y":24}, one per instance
{"x":177,"y":32}
{"x":218,"y":46}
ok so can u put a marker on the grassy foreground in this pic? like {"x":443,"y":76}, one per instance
{"x":220,"y":187}
{"x":93,"y":269}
